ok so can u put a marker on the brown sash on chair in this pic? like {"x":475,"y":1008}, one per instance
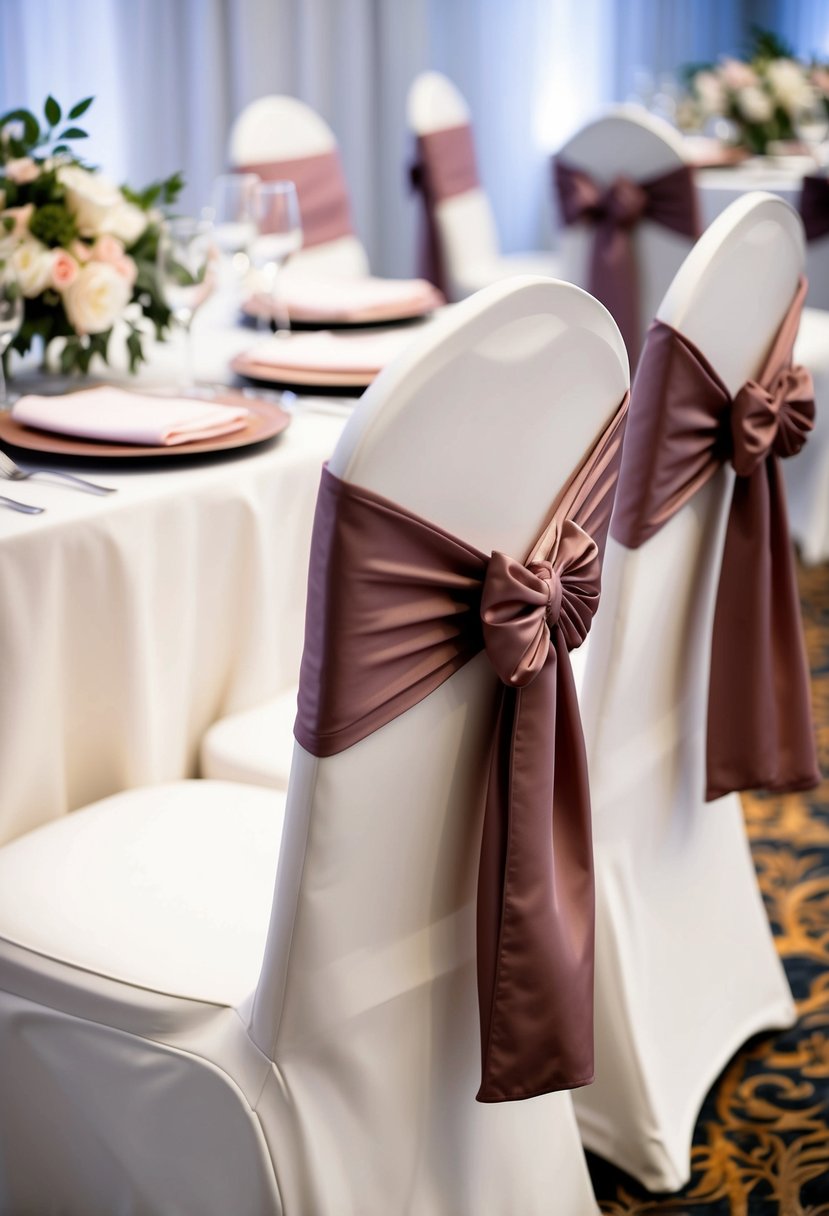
{"x":396,"y":605}
{"x":444,"y":166}
{"x":683,"y":425}
{"x":814,"y":207}
{"x":322,"y":192}
{"x":614,"y":211}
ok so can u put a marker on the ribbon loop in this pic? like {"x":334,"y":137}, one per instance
{"x":623,"y":203}
{"x":776,"y":418}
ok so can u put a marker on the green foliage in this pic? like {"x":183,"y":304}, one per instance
{"x":164,"y":193}
{"x":765,"y":44}
{"x":27,"y":138}
{"x":54,"y":225}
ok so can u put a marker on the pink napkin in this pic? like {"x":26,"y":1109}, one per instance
{"x":124,"y":417}
{"x":324,"y":351}
{"x":308,"y":298}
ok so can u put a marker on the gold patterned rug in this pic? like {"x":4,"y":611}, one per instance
{"x":761,"y":1146}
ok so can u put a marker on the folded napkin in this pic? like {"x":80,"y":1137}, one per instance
{"x":308,"y":298}
{"x":124,"y":417}
{"x":323,"y":351}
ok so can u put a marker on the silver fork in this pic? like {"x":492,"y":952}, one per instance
{"x":23,"y":507}
{"x":13,"y":472}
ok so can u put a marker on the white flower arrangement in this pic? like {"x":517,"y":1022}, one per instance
{"x":83,"y":250}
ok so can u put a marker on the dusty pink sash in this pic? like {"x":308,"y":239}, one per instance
{"x":683,"y":425}
{"x":444,"y":166}
{"x":395,"y":607}
{"x":321,"y":190}
{"x":614,"y":211}
{"x":814,"y":207}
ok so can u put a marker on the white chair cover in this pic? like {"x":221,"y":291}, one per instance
{"x":466,"y":224}
{"x":138,"y":1076}
{"x":281,"y":128}
{"x":686,"y":965}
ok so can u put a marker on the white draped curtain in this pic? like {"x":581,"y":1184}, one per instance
{"x":169,"y":76}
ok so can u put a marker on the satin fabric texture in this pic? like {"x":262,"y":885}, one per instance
{"x":684,"y":424}
{"x":321,"y":191}
{"x":613,"y":212}
{"x":444,"y":167}
{"x":396,"y":605}
{"x":814,"y":207}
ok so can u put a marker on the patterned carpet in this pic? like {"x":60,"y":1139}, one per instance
{"x":761,"y":1146}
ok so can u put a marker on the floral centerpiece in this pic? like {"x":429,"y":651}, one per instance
{"x":761,"y":96}
{"x":83,"y":250}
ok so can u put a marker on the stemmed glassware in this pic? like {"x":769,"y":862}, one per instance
{"x":186,"y":253}
{"x":279,"y":235}
{"x":11,"y":318}
{"x":811,"y":126}
{"x":233,"y":210}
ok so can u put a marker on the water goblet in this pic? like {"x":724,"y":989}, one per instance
{"x":186,"y":253}
{"x":11,"y":318}
{"x":279,"y":235}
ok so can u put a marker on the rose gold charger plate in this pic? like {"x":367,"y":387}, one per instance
{"x":266,"y":421}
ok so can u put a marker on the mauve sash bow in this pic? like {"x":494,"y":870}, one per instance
{"x":683,"y":425}
{"x":614,"y":211}
{"x":321,"y":191}
{"x":412,"y":605}
{"x":444,"y":166}
{"x":814,"y":207}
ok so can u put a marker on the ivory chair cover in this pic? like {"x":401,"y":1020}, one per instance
{"x":465,"y":223}
{"x":630,"y":143}
{"x":280,"y":128}
{"x":686,"y":968}
{"x":147,"y":1065}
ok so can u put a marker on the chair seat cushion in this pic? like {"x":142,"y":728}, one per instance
{"x":166,"y":887}
{"x":255,"y":746}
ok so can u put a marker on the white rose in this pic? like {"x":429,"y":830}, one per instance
{"x":755,"y":105}
{"x":709,"y":89}
{"x":99,"y":206}
{"x":96,"y":298}
{"x":789,"y":84}
{"x":32,"y":263}
{"x":125,"y":221}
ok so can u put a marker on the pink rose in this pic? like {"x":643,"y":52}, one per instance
{"x":108,"y":249}
{"x":64,"y":269}
{"x":23,"y":170}
{"x":820,"y":79}
{"x":80,"y":251}
{"x":127,"y":268}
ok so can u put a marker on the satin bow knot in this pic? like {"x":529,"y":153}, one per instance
{"x":522,"y":604}
{"x":777,"y":418}
{"x":623,"y":203}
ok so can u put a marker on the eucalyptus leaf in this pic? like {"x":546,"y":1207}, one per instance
{"x":73,"y":133}
{"x":52,"y":111}
{"x":81,"y":107}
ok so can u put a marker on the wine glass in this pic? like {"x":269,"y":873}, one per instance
{"x":811,"y":126}
{"x":186,"y":253}
{"x":233,"y":210}
{"x":11,"y":318}
{"x":279,"y":235}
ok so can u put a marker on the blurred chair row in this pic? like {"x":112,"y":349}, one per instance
{"x":187,"y":1027}
{"x":460,"y":250}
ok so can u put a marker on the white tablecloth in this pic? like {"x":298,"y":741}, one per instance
{"x":130,"y":623}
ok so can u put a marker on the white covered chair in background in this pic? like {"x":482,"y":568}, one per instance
{"x":686,"y":969}
{"x":464,"y":225}
{"x":627,"y":143}
{"x":150,"y":1059}
{"x":276,"y":130}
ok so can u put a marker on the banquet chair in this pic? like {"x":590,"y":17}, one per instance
{"x":459,"y":250}
{"x":281,"y":137}
{"x":686,"y":969}
{"x":627,"y":203}
{"x":177,"y":1034}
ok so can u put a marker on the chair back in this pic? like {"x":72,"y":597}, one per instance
{"x":465,"y":223}
{"x":276,"y":129}
{"x":645,"y":691}
{"x":627,"y":142}
{"x":367,"y":1001}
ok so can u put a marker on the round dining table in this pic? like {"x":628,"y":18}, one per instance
{"x":133,"y":621}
